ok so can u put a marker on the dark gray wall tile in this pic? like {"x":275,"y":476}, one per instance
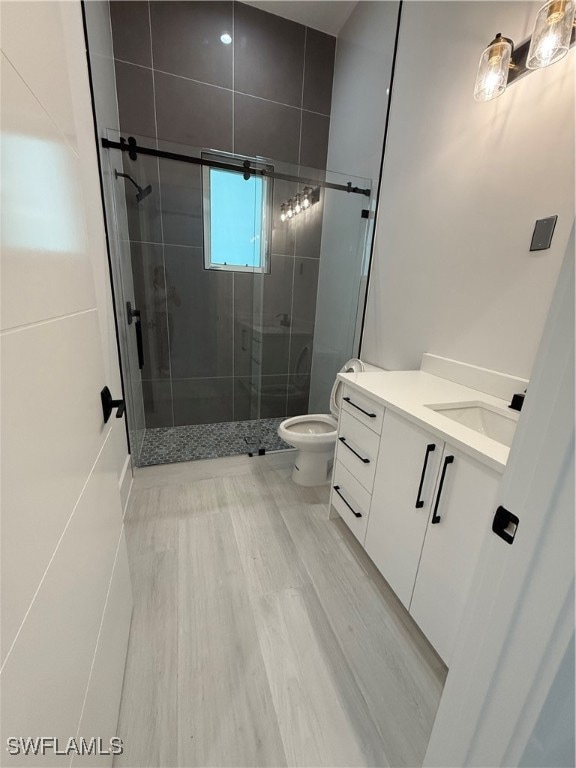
{"x":305,"y":290}
{"x":193,"y":113}
{"x":308,"y":230}
{"x":266,"y":129}
{"x":314,"y":144}
{"x":201,"y":328}
{"x":269,"y":55}
{"x":156,"y":304}
{"x":202,"y":401}
{"x":131,"y":31}
{"x":298,"y":395}
{"x":318,"y":71}
{"x":186,"y":40}
{"x":263,"y":343}
{"x":265,"y":398}
{"x":303,"y":315}
{"x":144,"y":222}
{"x":181,"y":193}
{"x":157,"y":403}
{"x":135,"y":99}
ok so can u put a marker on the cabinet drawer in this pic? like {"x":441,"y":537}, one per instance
{"x":351,"y":500}
{"x":363,"y":409}
{"x":357,"y":449}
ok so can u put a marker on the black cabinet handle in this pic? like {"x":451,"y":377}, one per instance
{"x":372,"y":415}
{"x":429,"y":448}
{"x":435,"y":515}
{"x":362,"y":459}
{"x":130,"y":315}
{"x":337,"y":489}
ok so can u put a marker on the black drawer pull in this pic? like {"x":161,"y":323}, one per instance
{"x":372,"y":415}
{"x":435,"y":516}
{"x":429,"y":448}
{"x":337,"y":489}
{"x":362,"y":459}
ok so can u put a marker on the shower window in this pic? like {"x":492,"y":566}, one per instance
{"x":236,"y":220}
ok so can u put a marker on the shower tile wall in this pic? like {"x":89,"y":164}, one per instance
{"x":267,"y":94}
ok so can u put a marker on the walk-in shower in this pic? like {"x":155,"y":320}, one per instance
{"x":220,"y":302}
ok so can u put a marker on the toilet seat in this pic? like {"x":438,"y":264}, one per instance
{"x":311,"y":427}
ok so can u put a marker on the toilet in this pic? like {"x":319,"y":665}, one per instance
{"x":314,"y":435}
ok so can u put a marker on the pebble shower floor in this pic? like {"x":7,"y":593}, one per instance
{"x":167,"y":445}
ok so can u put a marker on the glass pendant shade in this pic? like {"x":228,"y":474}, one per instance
{"x":552,"y":32}
{"x":297,"y":204}
{"x":492,"y":77}
{"x":282,"y":213}
{"x":290,"y":210}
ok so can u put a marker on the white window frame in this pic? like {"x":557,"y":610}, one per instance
{"x":266,"y":228}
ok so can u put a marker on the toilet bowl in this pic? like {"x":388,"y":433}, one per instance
{"x":314,"y":436}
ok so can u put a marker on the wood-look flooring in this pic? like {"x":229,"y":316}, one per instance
{"x":262,"y":635}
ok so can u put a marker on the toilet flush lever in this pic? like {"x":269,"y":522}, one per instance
{"x":108,"y":404}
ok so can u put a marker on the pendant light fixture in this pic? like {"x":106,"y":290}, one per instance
{"x":492,"y":77}
{"x":552,"y":32}
{"x":502,"y":63}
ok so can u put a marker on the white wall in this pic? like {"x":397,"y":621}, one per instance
{"x":65,"y":587}
{"x":462,"y":185}
{"x":362,"y":68}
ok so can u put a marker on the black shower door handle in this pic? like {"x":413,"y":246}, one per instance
{"x":139,"y":343}
{"x":132,"y":314}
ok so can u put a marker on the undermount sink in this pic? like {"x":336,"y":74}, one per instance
{"x":497,"y":423}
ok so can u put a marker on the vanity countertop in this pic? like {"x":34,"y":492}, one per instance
{"x":409,"y":392}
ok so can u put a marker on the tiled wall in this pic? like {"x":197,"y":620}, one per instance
{"x":268,"y":94}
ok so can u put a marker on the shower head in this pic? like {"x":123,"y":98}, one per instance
{"x":141,"y":192}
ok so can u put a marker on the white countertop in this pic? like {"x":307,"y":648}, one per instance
{"x":409,"y":392}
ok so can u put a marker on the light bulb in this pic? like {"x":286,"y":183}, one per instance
{"x":282,"y":213}
{"x":297,"y":204}
{"x":290,"y":210}
{"x":492,"y":77}
{"x":226,"y":38}
{"x":552,"y":32}
{"x":306,"y":199}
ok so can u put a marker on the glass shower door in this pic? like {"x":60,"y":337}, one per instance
{"x":237,"y":285}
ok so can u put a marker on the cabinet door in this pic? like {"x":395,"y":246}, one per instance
{"x":407,"y":468}
{"x":462,"y":515}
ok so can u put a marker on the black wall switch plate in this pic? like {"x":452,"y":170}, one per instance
{"x":543,"y":231}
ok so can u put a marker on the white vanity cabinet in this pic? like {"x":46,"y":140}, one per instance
{"x":419,"y":506}
{"x":405,"y":480}
{"x":461,"y":517}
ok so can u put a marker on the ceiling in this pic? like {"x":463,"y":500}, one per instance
{"x":326,"y":15}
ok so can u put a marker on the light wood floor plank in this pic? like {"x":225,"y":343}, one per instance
{"x":401,"y":691}
{"x":226,"y":716}
{"x":269,"y":558}
{"x":322,"y":716}
{"x":147,"y":722}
